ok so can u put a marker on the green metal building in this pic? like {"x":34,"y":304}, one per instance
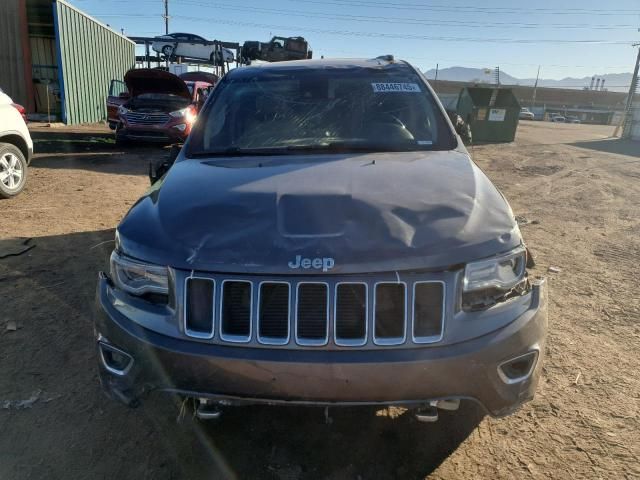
{"x":61,"y":61}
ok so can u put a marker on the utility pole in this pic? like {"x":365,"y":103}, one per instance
{"x":634,"y":79}
{"x":436,"y":79}
{"x":632,"y":91}
{"x":166,"y":28}
{"x":166,"y":17}
{"x":535,"y":89}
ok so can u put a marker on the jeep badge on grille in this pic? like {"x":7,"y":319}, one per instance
{"x":325,"y":263}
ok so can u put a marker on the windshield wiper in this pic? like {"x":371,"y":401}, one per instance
{"x":238,"y":152}
{"x":360,"y":146}
{"x":331,"y":147}
{"x":249,"y":152}
{"x":353,"y":146}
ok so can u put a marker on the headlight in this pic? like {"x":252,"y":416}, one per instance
{"x":136,"y":277}
{"x":179,"y":113}
{"x":188,"y":113}
{"x":122,"y":110}
{"x":503,"y":272}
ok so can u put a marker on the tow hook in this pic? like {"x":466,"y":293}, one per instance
{"x":207,"y":410}
{"x":429,"y":413}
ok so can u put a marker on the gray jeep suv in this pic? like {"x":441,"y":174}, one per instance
{"x":322,"y":238}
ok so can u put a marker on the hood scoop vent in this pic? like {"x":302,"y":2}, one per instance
{"x":302,"y":215}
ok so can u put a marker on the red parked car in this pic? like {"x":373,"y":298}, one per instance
{"x":155,"y":105}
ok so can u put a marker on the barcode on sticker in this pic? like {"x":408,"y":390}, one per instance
{"x":395,"y":87}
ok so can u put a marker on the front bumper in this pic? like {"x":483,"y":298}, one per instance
{"x":231,"y":374}
{"x":152,"y":133}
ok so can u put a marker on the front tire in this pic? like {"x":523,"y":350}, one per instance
{"x":13,"y":170}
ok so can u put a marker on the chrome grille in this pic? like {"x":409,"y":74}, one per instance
{"x":199,"y":307}
{"x":428,"y":311}
{"x":341,"y":312}
{"x":390,"y":313}
{"x":235,"y":311}
{"x":273,"y":313}
{"x":312,"y":314}
{"x":135,"y":118}
{"x":350,"y":317}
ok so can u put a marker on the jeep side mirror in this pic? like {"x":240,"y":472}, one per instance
{"x":158,"y":169}
{"x":153,"y":173}
{"x":462,"y":128}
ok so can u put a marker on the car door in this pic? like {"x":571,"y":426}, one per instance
{"x":118,"y":95}
{"x":200,"y":50}
{"x":183,"y":48}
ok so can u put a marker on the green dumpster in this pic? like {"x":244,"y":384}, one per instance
{"x":492,"y":113}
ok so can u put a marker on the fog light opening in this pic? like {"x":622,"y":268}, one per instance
{"x":115,"y":360}
{"x":519,"y":368}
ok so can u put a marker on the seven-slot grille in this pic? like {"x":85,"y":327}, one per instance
{"x":135,"y":118}
{"x":273,"y":313}
{"x":361,"y":313}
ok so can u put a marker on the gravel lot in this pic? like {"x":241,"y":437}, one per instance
{"x":577,"y":193}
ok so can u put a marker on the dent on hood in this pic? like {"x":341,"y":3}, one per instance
{"x":399,"y":212}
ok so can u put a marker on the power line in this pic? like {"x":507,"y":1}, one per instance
{"x":411,"y":21}
{"x":392,"y":35}
{"x":476,"y":61}
{"x":475,"y":9}
{"x":387,"y":19}
{"x":410,"y":36}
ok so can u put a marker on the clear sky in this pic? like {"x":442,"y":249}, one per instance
{"x":567,"y":38}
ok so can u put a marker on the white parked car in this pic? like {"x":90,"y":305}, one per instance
{"x":190,"y":46}
{"x":526,"y":114}
{"x":16,"y":148}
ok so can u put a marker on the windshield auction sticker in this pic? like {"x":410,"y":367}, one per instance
{"x":395,"y":87}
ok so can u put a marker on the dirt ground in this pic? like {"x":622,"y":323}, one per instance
{"x":578,"y":195}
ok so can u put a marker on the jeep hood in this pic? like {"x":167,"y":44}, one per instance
{"x":370,"y":213}
{"x":150,"y":80}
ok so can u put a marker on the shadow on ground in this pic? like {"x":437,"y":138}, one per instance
{"x":50,"y":356}
{"x":76,"y":142}
{"x":93,"y":151}
{"x":612,"y":145}
{"x":119,"y":163}
{"x":289,"y":442}
{"x":61,"y":141}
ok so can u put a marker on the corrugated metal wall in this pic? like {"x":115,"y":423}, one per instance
{"x":45,"y":74}
{"x":12,"y":57}
{"x":43,"y":58}
{"x":90,"y":55}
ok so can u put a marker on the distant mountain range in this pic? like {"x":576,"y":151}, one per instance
{"x":614,"y":82}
